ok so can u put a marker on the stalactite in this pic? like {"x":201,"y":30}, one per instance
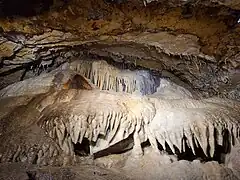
{"x":108,"y":77}
{"x":197,"y":123}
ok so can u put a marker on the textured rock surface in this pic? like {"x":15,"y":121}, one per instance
{"x":232,"y":159}
{"x":80,"y":80}
{"x":198,"y":41}
{"x":23,"y":171}
{"x":180,"y":54}
{"x":234,"y":4}
{"x":51,"y":119}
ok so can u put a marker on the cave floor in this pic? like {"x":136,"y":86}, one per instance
{"x":23,"y":171}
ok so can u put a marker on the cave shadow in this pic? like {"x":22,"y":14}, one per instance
{"x":220,"y":151}
{"x":26,"y":8}
{"x":118,"y":148}
{"x":125,"y":145}
{"x":82,"y":149}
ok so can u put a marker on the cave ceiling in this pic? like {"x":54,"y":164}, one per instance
{"x":197,"y":41}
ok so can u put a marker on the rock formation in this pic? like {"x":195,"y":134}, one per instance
{"x":133,"y":89}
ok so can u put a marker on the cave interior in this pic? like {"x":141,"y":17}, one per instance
{"x":120,"y":89}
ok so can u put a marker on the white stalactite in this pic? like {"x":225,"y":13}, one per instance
{"x":74,"y":114}
{"x":197,"y":120}
{"x":91,"y":113}
{"x":107,"y":77}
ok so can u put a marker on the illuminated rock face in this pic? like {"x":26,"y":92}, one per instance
{"x":67,"y":109}
{"x":115,"y":116}
{"x":203,"y":124}
{"x":91,"y":114}
{"x":145,"y":110}
{"x":108,"y":77}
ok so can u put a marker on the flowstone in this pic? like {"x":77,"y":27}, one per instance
{"x":70,"y":109}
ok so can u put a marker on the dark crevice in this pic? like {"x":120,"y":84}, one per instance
{"x":78,"y":82}
{"x":121,"y":65}
{"x":220,"y":151}
{"x":82,"y":149}
{"x":35,"y":159}
{"x":119,"y":148}
{"x":27,"y":8}
{"x":145,"y":144}
{"x":5,"y":73}
{"x":226,"y":141}
{"x":160,"y":147}
{"x":168,"y":149}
